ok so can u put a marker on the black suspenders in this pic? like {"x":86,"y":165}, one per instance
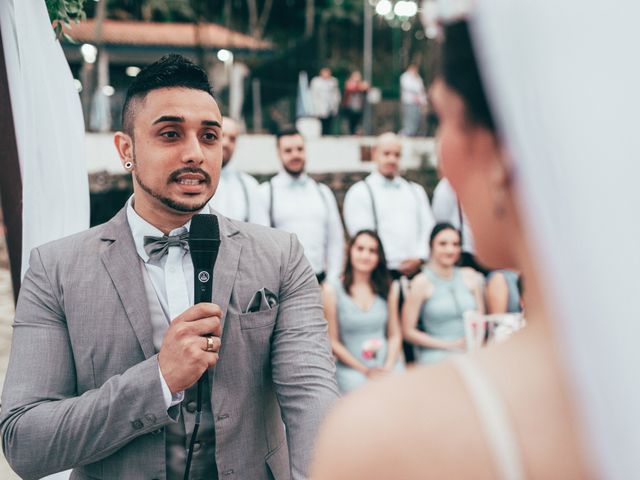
{"x":374,"y":210}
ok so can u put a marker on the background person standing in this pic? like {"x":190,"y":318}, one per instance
{"x":298,"y":204}
{"x":237,"y":193}
{"x":398,"y":210}
{"x":413,"y":99}
{"x":325,"y":96}
{"x":354,"y":100}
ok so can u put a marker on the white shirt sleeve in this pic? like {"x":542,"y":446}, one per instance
{"x":169,"y":399}
{"x":335,"y":236}
{"x":445,"y":203}
{"x":262,"y":193}
{"x":358,"y":210}
{"x":427,"y":221}
{"x":258,"y":212}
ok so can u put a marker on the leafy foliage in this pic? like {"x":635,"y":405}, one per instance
{"x":63,"y":12}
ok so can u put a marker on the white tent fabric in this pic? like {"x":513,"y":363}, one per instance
{"x":564,"y":80}
{"x":49,"y":126}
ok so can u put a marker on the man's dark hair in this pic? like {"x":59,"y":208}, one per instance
{"x":286,"y":132}
{"x":171,"y":71}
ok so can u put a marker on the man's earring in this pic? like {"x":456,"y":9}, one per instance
{"x":128,"y":165}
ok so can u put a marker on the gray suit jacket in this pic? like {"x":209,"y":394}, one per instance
{"x":83,"y":391}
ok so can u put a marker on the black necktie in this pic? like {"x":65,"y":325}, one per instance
{"x":157,"y":247}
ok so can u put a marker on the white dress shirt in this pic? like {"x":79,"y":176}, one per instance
{"x":412,"y":91}
{"x":237,"y":197}
{"x":404,"y":216}
{"x":171,"y":277}
{"x":447,"y":209}
{"x":308,"y":209}
{"x":325,"y":95}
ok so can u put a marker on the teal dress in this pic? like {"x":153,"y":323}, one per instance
{"x":441,"y":315}
{"x":513,"y":301}
{"x":364,"y":334}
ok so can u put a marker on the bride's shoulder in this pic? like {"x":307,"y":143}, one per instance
{"x":403,"y":427}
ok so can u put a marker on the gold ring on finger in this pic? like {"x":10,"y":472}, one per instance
{"x":210,"y":345}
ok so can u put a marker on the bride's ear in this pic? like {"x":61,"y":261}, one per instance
{"x":500,"y":181}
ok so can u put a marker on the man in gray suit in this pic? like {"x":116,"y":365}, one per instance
{"x":108,"y":346}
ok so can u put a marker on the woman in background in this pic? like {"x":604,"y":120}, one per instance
{"x":362,"y":314}
{"x":354,"y":99}
{"x":432,"y":315}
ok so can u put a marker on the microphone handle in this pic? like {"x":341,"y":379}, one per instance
{"x":203,"y":286}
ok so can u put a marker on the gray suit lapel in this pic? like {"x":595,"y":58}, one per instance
{"x":224,"y":272}
{"x":123,"y":265}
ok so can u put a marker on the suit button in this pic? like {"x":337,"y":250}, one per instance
{"x":150,"y":417}
{"x":223,"y":416}
{"x":137,"y":424}
{"x":191,"y":407}
{"x":196,"y":447}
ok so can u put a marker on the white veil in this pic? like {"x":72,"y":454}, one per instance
{"x":563,"y":79}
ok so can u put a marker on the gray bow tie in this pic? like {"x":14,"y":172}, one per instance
{"x":157,"y":247}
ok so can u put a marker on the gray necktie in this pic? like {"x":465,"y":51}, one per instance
{"x":157,"y":247}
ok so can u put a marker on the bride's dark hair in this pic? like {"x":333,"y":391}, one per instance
{"x":460,"y":72}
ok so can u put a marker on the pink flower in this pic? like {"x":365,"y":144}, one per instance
{"x":370,"y":348}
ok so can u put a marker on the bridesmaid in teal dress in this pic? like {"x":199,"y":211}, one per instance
{"x":361,"y":311}
{"x":503,"y":292}
{"x":432,"y":316}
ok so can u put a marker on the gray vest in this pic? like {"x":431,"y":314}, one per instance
{"x":178,"y":435}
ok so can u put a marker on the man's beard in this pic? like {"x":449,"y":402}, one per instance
{"x":175,"y":205}
{"x":293,"y":173}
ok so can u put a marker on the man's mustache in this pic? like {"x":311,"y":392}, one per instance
{"x":174,"y":175}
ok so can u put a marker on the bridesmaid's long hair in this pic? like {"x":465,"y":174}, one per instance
{"x":380,"y":279}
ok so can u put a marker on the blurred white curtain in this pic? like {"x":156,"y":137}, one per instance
{"x":49,"y":126}
{"x":564,"y":80}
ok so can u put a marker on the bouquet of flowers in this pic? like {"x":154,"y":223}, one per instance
{"x":370,"y":348}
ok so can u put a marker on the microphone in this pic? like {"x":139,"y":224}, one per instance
{"x":204,"y":243}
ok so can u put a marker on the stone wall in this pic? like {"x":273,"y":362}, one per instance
{"x":109,"y":192}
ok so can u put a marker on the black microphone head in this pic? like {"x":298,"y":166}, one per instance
{"x":204,"y":232}
{"x":204,"y":242}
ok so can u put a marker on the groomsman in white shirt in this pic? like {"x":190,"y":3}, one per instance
{"x":237,"y":193}
{"x":397,"y":209}
{"x":298,"y":204}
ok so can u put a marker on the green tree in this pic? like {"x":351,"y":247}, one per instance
{"x":64,"y":12}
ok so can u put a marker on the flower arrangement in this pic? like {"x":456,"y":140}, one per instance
{"x":370,"y":348}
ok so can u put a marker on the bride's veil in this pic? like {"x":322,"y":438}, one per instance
{"x":563,"y":79}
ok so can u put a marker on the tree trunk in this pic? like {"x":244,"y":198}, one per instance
{"x":252,"y":7}
{"x":227,"y":13}
{"x":264,"y":17}
{"x":258,"y":20}
{"x":197,"y":12}
{"x":310,"y":14}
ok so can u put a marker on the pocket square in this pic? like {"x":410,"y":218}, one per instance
{"x":263,"y":299}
